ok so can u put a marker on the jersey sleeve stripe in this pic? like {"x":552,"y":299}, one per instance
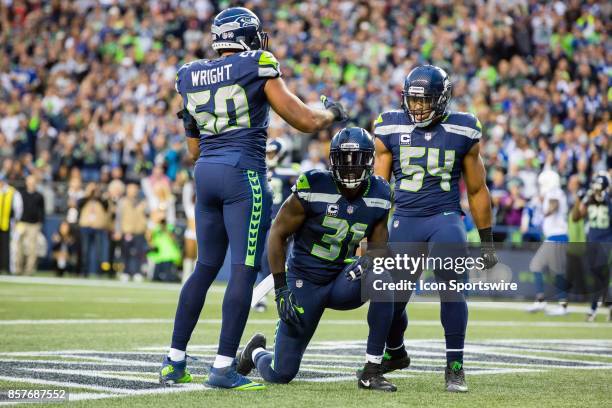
{"x":377,"y":203}
{"x":318,"y":197}
{"x":268,"y":72}
{"x":462,"y":130}
{"x":391,"y":129}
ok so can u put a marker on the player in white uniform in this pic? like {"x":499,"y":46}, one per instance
{"x":551,"y":255}
{"x":191,"y":248}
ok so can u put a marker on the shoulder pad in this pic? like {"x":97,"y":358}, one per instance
{"x":390,"y":122}
{"x":267,"y":65}
{"x":312,"y":186}
{"x":462,"y":123}
{"x":310,"y":178}
{"x":179,"y":75}
{"x":379,"y":194}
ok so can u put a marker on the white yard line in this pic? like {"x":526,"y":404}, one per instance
{"x":340,"y":322}
{"x":34,"y":280}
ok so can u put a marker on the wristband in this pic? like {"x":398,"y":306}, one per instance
{"x":280,"y":280}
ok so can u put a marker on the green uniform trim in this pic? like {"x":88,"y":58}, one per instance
{"x":255,"y":218}
{"x":266,"y":58}
{"x":302,"y":183}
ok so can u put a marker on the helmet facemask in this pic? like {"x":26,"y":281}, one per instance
{"x":423,"y":109}
{"x":351,"y":166}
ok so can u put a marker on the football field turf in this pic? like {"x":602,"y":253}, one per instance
{"x":104,"y":340}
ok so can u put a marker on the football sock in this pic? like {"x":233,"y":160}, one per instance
{"x":176,"y":355}
{"x":380,"y":318}
{"x":538,"y":278}
{"x":223,"y":361}
{"x":396,"y":352}
{"x":256,"y":352}
{"x":236,"y":307}
{"x":454,"y":316}
{"x":373,"y":359}
{"x":398,"y":326}
{"x":561,"y":286}
{"x":191,"y":302}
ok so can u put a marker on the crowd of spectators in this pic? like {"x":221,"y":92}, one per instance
{"x":87,"y":99}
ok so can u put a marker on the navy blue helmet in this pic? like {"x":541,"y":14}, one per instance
{"x":427,"y":92}
{"x":600,"y":185}
{"x":238,"y":28}
{"x":351,"y":156}
{"x":276,"y":152}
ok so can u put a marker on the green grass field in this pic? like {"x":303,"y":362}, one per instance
{"x":103,"y":341}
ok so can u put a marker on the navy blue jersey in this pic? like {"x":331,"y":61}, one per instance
{"x":334,"y":226}
{"x":226,"y":98}
{"x":427,"y":162}
{"x":598,"y":220}
{"x":281,"y":179}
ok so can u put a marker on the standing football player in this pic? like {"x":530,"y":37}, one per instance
{"x":329,"y":213}
{"x":281,"y":179}
{"x":596,"y":207}
{"x":552,"y":253}
{"x":427,"y":148}
{"x":226,"y":112}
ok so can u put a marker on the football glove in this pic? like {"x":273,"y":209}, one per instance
{"x":336,"y":108}
{"x":288,"y":309}
{"x":487,"y":248}
{"x":356,"y":269}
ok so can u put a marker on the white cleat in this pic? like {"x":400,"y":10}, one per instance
{"x":557,"y":311}
{"x":536,"y":307}
{"x":590,"y":316}
{"x":124,"y":277}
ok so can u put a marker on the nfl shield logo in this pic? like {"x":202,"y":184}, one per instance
{"x":350,"y":209}
{"x":299,"y":283}
{"x":428,"y":136}
{"x":395,"y":223}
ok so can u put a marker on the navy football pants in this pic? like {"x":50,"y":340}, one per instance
{"x":290,"y":343}
{"x":232,"y":207}
{"x":445,"y":228}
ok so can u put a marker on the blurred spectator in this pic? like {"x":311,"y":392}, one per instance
{"x":28,"y":228}
{"x":165,"y":253}
{"x":93,"y":222}
{"x":131,"y":225}
{"x":87,"y":88}
{"x":191,"y":247}
{"x":64,"y":250}
{"x":11,"y":208}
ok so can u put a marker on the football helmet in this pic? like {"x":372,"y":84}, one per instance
{"x":600,"y":185}
{"x":276,"y":152}
{"x":238,"y":28}
{"x":351,"y":157}
{"x":427,"y":92}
